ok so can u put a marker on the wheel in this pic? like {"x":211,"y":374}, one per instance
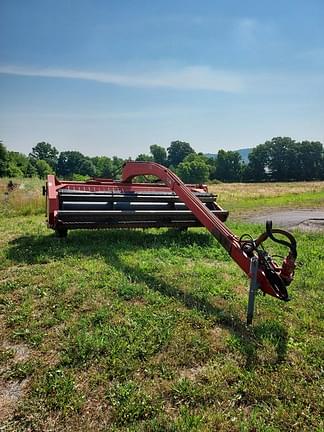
{"x":178,"y":229}
{"x":181,"y":229}
{"x":61,"y":232}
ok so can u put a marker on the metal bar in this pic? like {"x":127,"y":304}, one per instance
{"x":52,"y":199}
{"x":126,"y":205}
{"x":78,"y":215}
{"x":129,"y":197}
{"x":122,"y":188}
{"x":129,"y":189}
{"x":129,"y":224}
{"x":253,"y":289}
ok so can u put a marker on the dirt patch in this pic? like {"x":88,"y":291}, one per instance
{"x":10,"y":393}
{"x":191,"y":373}
{"x":305,"y":219}
{"x":21,"y":352}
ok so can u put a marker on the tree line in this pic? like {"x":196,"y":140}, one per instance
{"x":279,"y":159}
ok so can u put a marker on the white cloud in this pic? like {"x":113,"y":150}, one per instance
{"x":185,"y":78}
{"x":190,"y":78}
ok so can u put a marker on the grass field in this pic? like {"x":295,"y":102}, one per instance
{"x":245,"y":197}
{"x":145,"y":330}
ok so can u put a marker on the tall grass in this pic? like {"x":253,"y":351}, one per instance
{"x":25,"y":199}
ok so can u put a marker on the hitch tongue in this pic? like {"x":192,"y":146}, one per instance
{"x":289,"y":264}
{"x":278,"y":277}
{"x":292,"y":244}
{"x":288,"y":269}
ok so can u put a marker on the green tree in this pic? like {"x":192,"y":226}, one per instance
{"x":117,"y":164}
{"x":159,"y":154}
{"x":103,"y":165}
{"x":283,"y":159}
{"x":3,"y":160}
{"x":43,"y":169}
{"x":177,"y":152}
{"x":310,"y":155}
{"x":322,"y":167}
{"x":31,"y":170}
{"x":142,"y":157}
{"x":211,"y":162}
{"x":258,"y":165}
{"x":87,"y":168}
{"x":193,"y":169}
{"x":228,"y":166}
{"x":45,"y":151}
{"x":18,"y":165}
{"x":74,"y":162}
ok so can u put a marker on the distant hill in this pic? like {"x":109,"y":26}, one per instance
{"x":211,"y":155}
{"x":243,"y":152}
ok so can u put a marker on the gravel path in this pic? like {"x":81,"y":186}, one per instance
{"x":305,"y":219}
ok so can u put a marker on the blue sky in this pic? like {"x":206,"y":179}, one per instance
{"x":113,"y":77}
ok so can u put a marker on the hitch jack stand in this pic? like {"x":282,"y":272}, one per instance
{"x":253,"y":288}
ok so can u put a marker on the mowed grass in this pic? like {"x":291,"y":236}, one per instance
{"x":145,"y":331}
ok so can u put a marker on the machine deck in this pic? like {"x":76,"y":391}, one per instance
{"x":105,"y":203}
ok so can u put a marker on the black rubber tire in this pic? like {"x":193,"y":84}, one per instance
{"x":178,"y":229}
{"x":61,"y":232}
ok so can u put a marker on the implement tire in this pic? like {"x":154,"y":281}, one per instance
{"x":61,"y":232}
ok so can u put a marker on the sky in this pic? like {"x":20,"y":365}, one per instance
{"x":109,"y":77}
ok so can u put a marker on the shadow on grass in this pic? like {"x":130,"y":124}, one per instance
{"x":111,"y":244}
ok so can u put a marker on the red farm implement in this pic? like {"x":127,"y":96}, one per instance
{"x":106,"y":203}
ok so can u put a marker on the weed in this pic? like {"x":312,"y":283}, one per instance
{"x":57,"y":390}
{"x":131,"y":403}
